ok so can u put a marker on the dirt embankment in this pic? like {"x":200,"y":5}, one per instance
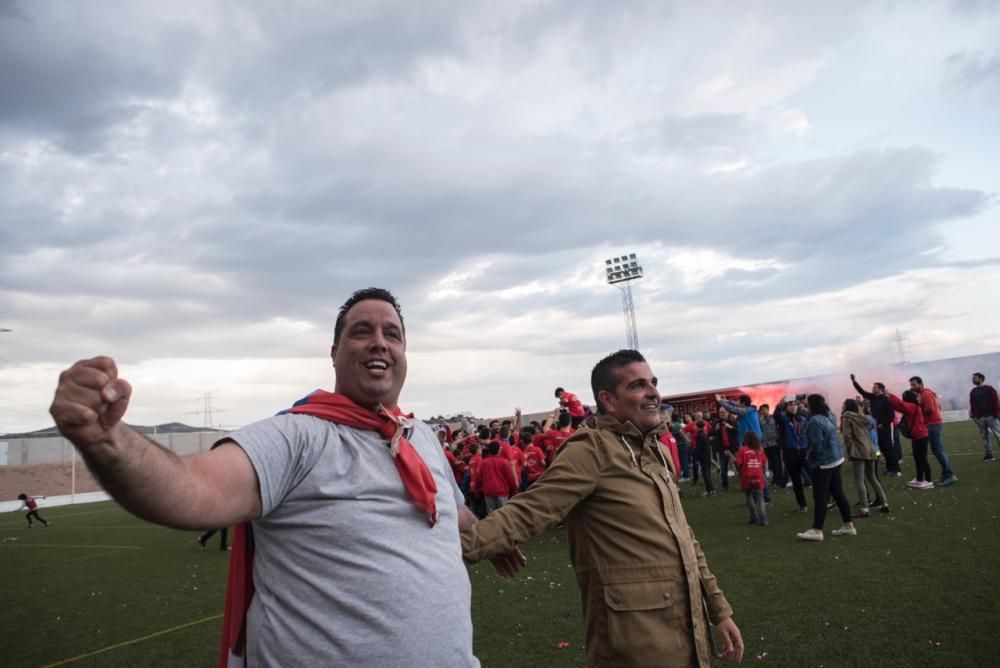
{"x":44,"y":480}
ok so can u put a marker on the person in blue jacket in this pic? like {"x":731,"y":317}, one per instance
{"x":825,"y":455}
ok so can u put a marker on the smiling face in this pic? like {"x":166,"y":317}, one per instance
{"x":370,"y":357}
{"x":635,"y":398}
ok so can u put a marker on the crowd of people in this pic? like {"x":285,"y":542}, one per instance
{"x":801,"y":444}
{"x":346,"y":507}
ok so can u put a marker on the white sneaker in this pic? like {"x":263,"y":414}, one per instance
{"x":914,"y":483}
{"x":927,"y":484}
{"x":845,"y":531}
{"x":810,"y":534}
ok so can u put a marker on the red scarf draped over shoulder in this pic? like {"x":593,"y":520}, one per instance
{"x":337,"y":408}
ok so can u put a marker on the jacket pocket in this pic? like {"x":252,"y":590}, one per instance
{"x":645,"y":620}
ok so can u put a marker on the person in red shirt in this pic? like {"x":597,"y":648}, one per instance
{"x":495,"y":478}
{"x":691,"y":431}
{"x":915,"y":429}
{"x":751,"y":460}
{"x":670,"y":443}
{"x":534,"y":461}
{"x":571,"y":403}
{"x":31,"y":504}
{"x":554,"y":438}
{"x":475,"y":496}
{"x":935,"y":427}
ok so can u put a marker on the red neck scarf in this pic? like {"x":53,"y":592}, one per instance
{"x":337,"y":408}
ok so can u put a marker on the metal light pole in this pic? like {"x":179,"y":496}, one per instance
{"x":621,"y":271}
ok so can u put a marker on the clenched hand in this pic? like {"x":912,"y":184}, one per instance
{"x":90,"y":400}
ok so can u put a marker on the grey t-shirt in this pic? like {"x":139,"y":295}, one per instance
{"x":347,"y":570}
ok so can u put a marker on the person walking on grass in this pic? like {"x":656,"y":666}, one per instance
{"x":792,"y":436}
{"x":704,"y":457}
{"x":751,"y":461}
{"x":31,"y":504}
{"x":223,"y":538}
{"x":912,"y":427}
{"x":825,"y":455}
{"x":984,"y":409}
{"x":854,"y":429}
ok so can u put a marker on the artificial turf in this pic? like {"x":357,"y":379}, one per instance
{"x":917,"y":587}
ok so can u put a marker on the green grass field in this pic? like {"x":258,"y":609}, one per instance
{"x":916,"y":588}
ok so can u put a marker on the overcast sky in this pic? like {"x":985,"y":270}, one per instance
{"x":194,"y":188}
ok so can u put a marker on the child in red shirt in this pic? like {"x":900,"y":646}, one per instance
{"x":534,"y":462}
{"x":495,"y":478}
{"x":752,"y":463}
{"x":32,"y":506}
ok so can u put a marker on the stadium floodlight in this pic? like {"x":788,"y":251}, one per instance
{"x":622,"y":271}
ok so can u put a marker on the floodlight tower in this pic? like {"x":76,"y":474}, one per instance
{"x":621,"y":271}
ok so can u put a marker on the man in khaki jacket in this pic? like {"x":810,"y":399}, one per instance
{"x":648,"y":595}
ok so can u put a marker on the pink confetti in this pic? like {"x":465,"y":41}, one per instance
{"x":562,"y":645}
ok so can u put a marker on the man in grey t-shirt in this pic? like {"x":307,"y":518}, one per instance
{"x":347,"y":569}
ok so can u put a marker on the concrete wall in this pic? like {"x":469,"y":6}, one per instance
{"x":57,"y":450}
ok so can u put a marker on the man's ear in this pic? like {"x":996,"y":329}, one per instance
{"x":603,"y":397}
{"x":333,"y":354}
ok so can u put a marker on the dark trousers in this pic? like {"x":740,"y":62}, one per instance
{"x":224,"y":535}
{"x":774,"y":463}
{"x":37,"y":517}
{"x":920,"y":446}
{"x":827,"y":481}
{"x":705,"y":459}
{"x":888,"y":449}
{"x":684,"y":452}
{"x":794,"y":460}
{"x":724,"y":469}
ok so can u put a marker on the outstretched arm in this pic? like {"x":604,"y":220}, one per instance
{"x":205,"y":491}
{"x":867,"y":395}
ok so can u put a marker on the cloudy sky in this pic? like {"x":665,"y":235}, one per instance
{"x":194,"y":188}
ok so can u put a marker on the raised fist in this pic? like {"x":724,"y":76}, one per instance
{"x":90,"y":400}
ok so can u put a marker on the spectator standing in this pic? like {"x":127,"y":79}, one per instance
{"x":935,"y":428}
{"x":884,"y":420}
{"x":912,"y":427}
{"x":984,"y":409}
{"x":861,"y":453}
{"x":825,"y":455}
{"x":751,"y":461}
{"x":769,"y":441}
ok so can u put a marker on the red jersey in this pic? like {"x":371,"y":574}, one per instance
{"x":670,"y":443}
{"x":534,"y":462}
{"x":475,"y":462}
{"x":517,"y":458}
{"x":752,"y":465}
{"x":930,"y":407}
{"x":496,"y":478}
{"x":553,"y":439}
{"x":457,"y":467}
{"x":572,"y":403}
{"x":691,"y":431}
{"x":31,"y":503}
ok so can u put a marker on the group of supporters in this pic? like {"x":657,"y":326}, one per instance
{"x":496,"y":460}
{"x":801,"y":443}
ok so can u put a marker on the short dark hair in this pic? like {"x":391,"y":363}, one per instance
{"x":493,"y":448}
{"x":910,"y":396}
{"x":604,"y":379}
{"x":559,"y":392}
{"x":751,"y":440}
{"x":880,"y":386}
{"x":763,"y":406}
{"x":917,"y":379}
{"x":979,"y":374}
{"x":22,"y":497}
{"x":745,"y":399}
{"x":565,"y":420}
{"x":379,"y":294}
{"x":851,"y":405}
{"x":817,"y":404}
{"x":504,"y":432}
{"x":483,"y":433}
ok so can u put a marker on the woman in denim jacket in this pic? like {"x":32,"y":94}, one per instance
{"x":825,"y":455}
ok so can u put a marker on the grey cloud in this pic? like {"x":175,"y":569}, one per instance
{"x":974,"y":71}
